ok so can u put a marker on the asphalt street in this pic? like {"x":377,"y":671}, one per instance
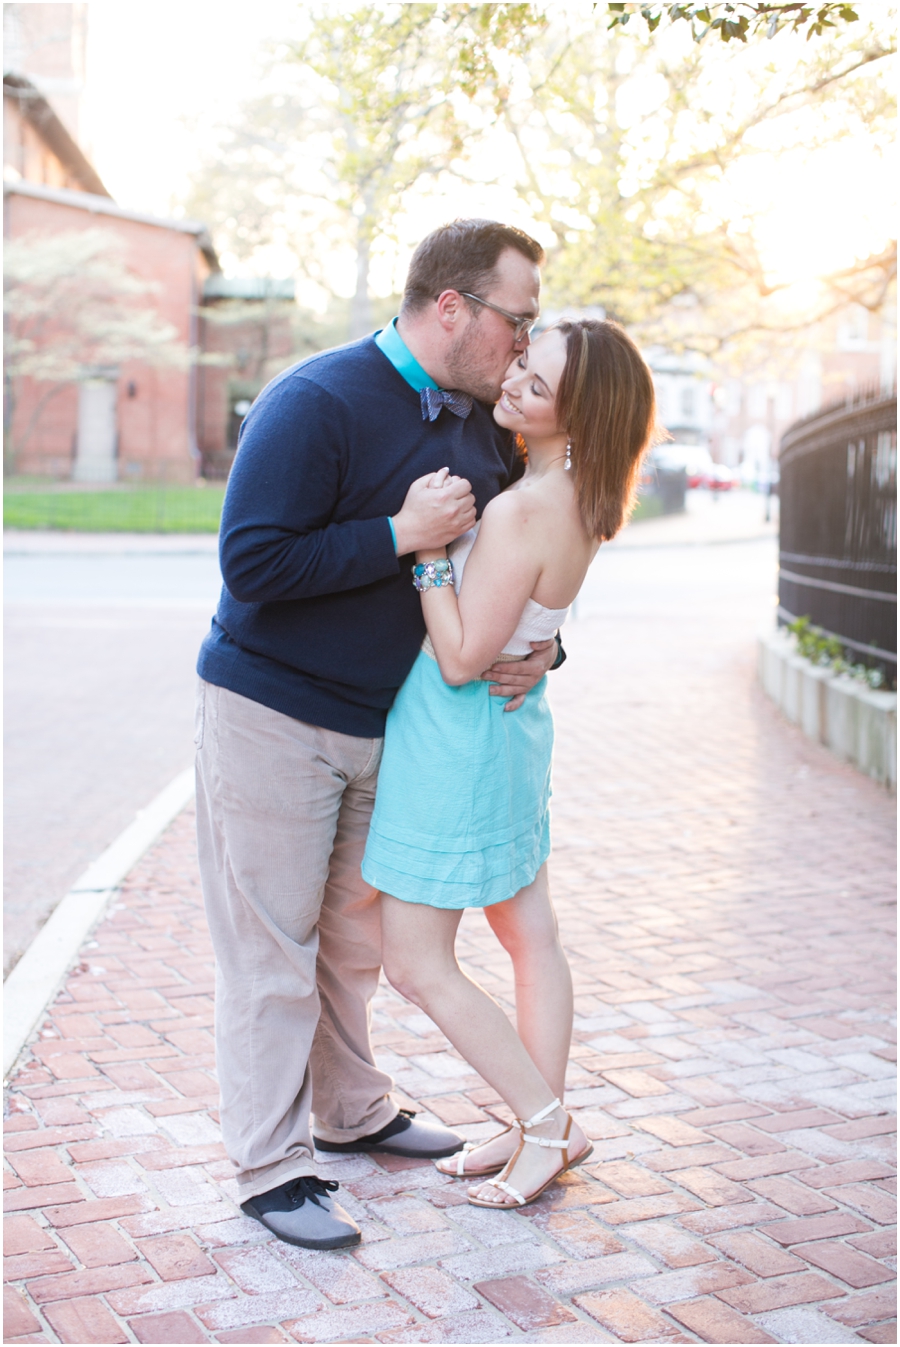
{"x":101,"y":641}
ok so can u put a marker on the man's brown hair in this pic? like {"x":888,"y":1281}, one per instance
{"x":462,"y":256}
{"x":607,"y":404}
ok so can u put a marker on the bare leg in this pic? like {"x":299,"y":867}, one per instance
{"x":527,"y":929}
{"x":419,"y":960}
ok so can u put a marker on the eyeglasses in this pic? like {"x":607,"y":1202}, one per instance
{"x":522,"y":326}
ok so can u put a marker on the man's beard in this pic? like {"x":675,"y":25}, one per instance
{"x":465,"y":363}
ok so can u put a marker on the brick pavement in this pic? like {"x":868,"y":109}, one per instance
{"x":725,"y":894}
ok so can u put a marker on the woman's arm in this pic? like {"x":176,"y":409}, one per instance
{"x":501,"y":573}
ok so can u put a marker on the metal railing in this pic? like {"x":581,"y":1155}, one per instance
{"x":838,"y":536}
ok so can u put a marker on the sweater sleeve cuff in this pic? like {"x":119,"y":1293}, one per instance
{"x":380,"y":547}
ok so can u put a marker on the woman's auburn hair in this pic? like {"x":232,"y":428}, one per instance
{"x":607,"y":404}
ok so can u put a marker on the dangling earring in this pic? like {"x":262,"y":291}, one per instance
{"x":568,"y":463}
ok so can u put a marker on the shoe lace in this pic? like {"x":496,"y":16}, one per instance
{"x":312,"y":1188}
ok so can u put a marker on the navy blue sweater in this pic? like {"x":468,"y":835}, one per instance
{"x":318,"y":617}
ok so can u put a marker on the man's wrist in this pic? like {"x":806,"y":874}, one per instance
{"x":404,"y":536}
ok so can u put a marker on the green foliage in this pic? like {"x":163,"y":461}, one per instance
{"x":647,"y":507}
{"x":144,"y":509}
{"x":482,"y":32}
{"x":636,"y":188}
{"x":813,"y":644}
{"x":737,"y":22}
{"x":361,"y":111}
{"x":827,"y":652}
{"x":626,"y":146}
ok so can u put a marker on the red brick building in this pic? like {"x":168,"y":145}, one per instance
{"x":145,"y":417}
{"x":133,"y":421}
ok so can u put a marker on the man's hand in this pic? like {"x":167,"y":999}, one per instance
{"x":437,"y":509}
{"x":515,"y":678}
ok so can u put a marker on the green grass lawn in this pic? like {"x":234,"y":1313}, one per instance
{"x":146,"y":509}
{"x":648,"y":507}
{"x":142,"y":509}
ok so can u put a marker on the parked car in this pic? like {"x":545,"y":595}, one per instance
{"x":722,"y":478}
{"x":692,"y":459}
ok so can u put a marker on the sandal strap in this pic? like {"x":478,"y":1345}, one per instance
{"x":508,"y":1188}
{"x":468,"y":1147}
{"x":562,"y":1145}
{"x":461,"y":1159}
{"x":539,"y":1117}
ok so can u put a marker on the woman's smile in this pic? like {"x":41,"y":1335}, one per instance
{"x":508,"y":405}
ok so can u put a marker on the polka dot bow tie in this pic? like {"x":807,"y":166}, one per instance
{"x":433,"y":399}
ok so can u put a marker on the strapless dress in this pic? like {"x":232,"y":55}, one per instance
{"x":462,"y":815}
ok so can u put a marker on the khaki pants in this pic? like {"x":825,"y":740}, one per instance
{"x":283,"y":809}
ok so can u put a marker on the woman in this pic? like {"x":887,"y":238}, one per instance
{"x":461,"y":815}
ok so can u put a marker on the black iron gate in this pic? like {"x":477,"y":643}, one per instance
{"x":838,"y":544}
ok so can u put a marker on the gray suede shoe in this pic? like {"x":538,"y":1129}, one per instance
{"x":403,"y":1135}
{"x":303,"y":1212}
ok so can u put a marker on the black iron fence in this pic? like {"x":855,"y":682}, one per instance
{"x":838,"y":544}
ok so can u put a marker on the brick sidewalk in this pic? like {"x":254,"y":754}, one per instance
{"x":725,"y":894}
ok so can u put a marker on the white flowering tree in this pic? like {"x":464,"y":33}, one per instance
{"x":72,"y":306}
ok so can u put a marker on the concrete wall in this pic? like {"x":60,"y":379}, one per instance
{"x":858,"y":723}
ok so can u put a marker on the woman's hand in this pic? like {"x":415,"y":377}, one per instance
{"x":442,"y":478}
{"x":437,"y":509}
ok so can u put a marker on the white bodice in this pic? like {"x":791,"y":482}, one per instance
{"x":537,"y":623}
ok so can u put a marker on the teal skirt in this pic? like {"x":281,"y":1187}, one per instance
{"x":462,"y":809}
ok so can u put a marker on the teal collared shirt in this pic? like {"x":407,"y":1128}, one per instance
{"x":391,"y":344}
{"x":401,"y":357}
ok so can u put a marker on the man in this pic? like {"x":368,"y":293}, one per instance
{"x":317,"y":627}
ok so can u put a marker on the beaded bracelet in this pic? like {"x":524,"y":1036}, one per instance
{"x":432,"y":574}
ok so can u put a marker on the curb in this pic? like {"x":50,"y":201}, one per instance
{"x":36,"y":978}
{"x":857,"y":723}
{"x":46,"y":542}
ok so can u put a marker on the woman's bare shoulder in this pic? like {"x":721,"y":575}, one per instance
{"x":504,"y":512}
{"x":514,"y":508}
{"x":551,"y":507}
{"x":510,"y":522}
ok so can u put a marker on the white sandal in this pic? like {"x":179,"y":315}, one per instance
{"x":557,"y":1143}
{"x":456,"y":1164}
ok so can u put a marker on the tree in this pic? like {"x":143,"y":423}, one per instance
{"x":637,"y":196}
{"x":362,"y":109}
{"x":630,"y":149}
{"x":735,"y":22}
{"x":71,"y":307}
